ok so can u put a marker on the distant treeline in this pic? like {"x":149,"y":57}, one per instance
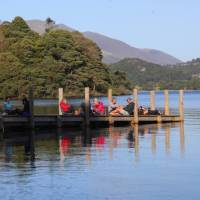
{"x":149,"y":76}
{"x":58,"y":58}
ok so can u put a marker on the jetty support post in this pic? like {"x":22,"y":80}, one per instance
{"x":87,"y":106}
{"x":60,"y":97}
{"x":152,"y":100}
{"x":166,"y":94}
{"x":31,"y":106}
{"x":135,"y":111}
{"x":181,"y":105}
{"x":109,"y":98}
{"x":109,"y":104}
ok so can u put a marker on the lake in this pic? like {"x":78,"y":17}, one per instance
{"x":142,"y":162}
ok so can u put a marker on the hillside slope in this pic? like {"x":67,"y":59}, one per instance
{"x":152,"y":76}
{"x":115,"y":50}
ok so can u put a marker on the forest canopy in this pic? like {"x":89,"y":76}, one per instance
{"x":58,"y":58}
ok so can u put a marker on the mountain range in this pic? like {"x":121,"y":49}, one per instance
{"x":113,"y":50}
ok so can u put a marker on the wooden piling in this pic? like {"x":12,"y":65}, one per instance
{"x":87,"y":105}
{"x":60,"y":97}
{"x":109,"y":105}
{"x":152,"y":100}
{"x":31,"y":107}
{"x":135,"y":116}
{"x":109,"y":98}
{"x":166,"y":94}
{"x":181,"y":105}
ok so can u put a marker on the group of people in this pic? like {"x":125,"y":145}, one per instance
{"x":9,"y":109}
{"x":97,"y":108}
{"x":119,"y":110}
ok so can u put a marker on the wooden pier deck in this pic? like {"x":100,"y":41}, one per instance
{"x":60,"y":120}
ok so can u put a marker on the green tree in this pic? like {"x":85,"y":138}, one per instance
{"x":49,"y":24}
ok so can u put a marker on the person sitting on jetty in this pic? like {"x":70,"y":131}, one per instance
{"x":113,"y":106}
{"x":124,"y":111}
{"x":147,"y":111}
{"x":142,"y":110}
{"x":7,"y":107}
{"x":153,"y":112}
{"x":98,"y":107}
{"x":66,"y":108}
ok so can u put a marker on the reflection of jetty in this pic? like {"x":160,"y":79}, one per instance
{"x":61,"y":120}
{"x":87,"y":142}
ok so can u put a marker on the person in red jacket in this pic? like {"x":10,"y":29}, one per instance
{"x":65,"y":107}
{"x":98,"y":107}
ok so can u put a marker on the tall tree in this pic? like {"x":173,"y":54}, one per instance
{"x":49,"y":24}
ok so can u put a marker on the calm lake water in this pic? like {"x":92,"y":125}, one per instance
{"x":146,"y":162}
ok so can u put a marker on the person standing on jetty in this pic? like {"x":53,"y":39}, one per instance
{"x":26,"y":110}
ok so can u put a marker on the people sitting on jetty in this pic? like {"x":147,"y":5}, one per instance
{"x":66,"y":108}
{"x":113,"y":106}
{"x":98,"y":107}
{"x":124,"y":111}
{"x":129,"y":108}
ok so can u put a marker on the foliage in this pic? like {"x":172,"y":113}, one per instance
{"x":58,"y":58}
{"x":149,"y":76}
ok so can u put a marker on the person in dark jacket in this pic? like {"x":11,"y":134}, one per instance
{"x":26,"y":107}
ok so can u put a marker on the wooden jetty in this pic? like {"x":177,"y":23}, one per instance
{"x":60,"y":120}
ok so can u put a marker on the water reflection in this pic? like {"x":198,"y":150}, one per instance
{"x":153,"y":141}
{"x":167,"y":139}
{"x":182,"y":138}
{"x":69,"y":144}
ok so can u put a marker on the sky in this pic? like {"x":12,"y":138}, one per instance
{"x":171,"y":26}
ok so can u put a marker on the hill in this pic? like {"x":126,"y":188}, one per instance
{"x":113,"y":50}
{"x":146,"y":75}
{"x":58,"y":58}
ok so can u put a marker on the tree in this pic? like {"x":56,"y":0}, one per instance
{"x":49,"y":24}
{"x":58,"y":58}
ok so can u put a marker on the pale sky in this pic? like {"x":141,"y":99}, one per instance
{"x":167,"y":25}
